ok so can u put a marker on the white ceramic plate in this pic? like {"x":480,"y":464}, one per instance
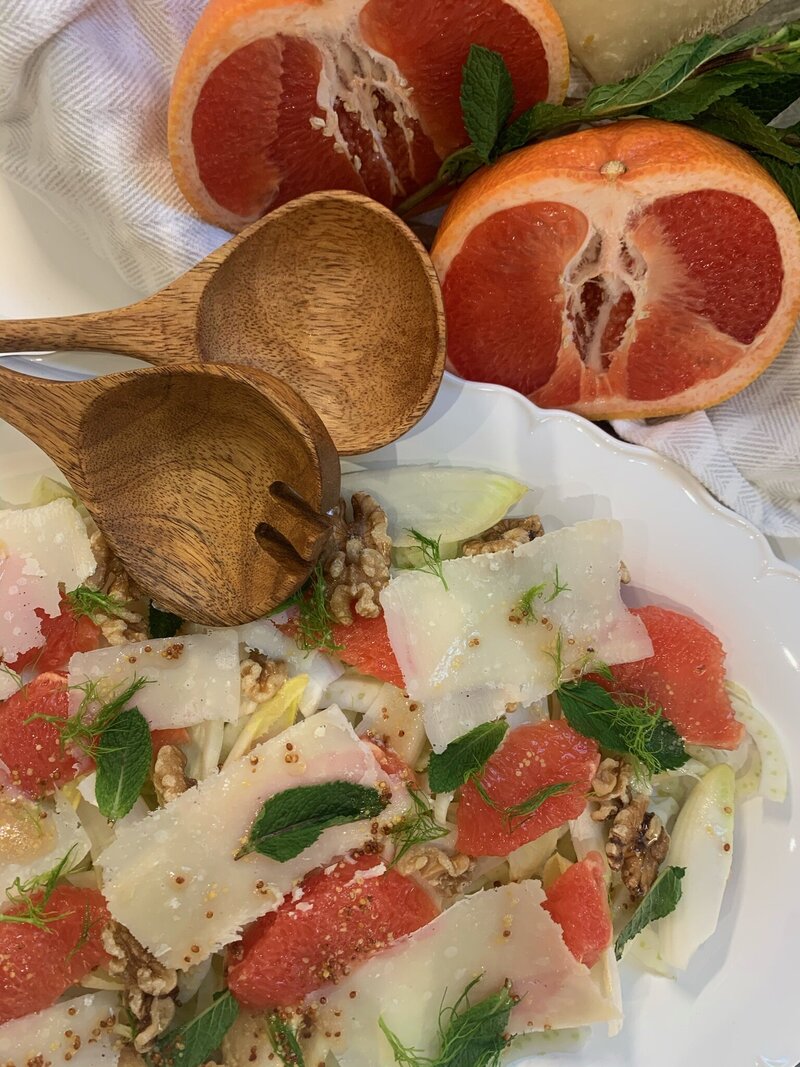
{"x":737,"y":1006}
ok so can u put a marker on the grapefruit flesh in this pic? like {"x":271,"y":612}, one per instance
{"x":64,"y":635}
{"x":685,"y":676}
{"x":578,"y":902}
{"x":32,"y":751}
{"x":271,"y":101}
{"x":38,"y":965}
{"x":341,"y":919}
{"x":530,"y":758}
{"x":638,"y":269}
{"x":365,"y":645}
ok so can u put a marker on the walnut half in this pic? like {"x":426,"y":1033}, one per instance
{"x":505,"y":536}
{"x":357,"y":567}
{"x":150,"y":987}
{"x":169,"y":774}
{"x":637,"y":846}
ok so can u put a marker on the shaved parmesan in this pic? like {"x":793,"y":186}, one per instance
{"x":172,"y":879}
{"x":498,"y":935}
{"x":39,"y":548}
{"x":196,"y":678}
{"x":57,"y":834}
{"x":465,"y":653}
{"x":9,"y":681}
{"x":74,"y":1033}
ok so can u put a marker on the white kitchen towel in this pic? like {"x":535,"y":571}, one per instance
{"x":84,"y":86}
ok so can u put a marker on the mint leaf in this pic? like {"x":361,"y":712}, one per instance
{"x":638,"y":731}
{"x":536,"y":122}
{"x":465,"y":756}
{"x":737,"y":123}
{"x":487,"y":98}
{"x":163,"y":623}
{"x":787,"y":176}
{"x":769,"y":98}
{"x":292,"y":820}
{"x":698,"y":94}
{"x":662,"y":898}
{"x":284,"y":1041}
{"x":123,"y":756}
{"x":192,"y":1044}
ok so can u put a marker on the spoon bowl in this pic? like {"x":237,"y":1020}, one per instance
{"x":331,"y":293}
{"x":211,"y":483}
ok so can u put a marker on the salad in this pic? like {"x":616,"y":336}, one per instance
{"x":420,"y":815}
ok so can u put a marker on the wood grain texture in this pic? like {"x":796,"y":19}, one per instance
{"x":211,"y":483}
{"x":331,"y":292}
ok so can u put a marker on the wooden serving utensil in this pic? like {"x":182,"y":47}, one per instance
{"x":211,"y":483}
{"x":331,"y":292}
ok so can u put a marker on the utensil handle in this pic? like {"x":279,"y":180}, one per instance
{"x":35,"y":406}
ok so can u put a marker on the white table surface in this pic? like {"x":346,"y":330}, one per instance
{"x":46,"y":270}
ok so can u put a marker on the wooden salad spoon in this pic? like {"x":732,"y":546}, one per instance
{"x":331,"y":292}
{"x":211,"y":483}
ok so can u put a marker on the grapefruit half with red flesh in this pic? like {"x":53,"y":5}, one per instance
{"x":685,"y":676}
{"x":341,"y":917}
{"x":578,"y":902}
{"x":276,"y":98}
{"x":638,"y":269}
{"x":530,"y":758}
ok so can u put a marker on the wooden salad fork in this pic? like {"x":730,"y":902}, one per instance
{"x":331,"y":293}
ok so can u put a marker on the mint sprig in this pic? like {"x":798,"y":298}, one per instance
{"x":730,"y":86}
{"x":292,"y":820}
{"x":663,"y":898}
{"x":465,"y":757}
{"x":191,"y":1045}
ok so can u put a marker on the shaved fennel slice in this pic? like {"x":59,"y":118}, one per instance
{"x":450,"y":503}
{"x":527,"y":860}
{"x":466,"y":655}
{"x":173,"y":879}
{"x":774,"y":773}
{"x":276,"y":714}
{"x":646,"y":948}
{"x":587,"y":836}
{"x":204,"y":750}
{"x":55,"y":1030}
{"x":606,"y":973}
{"x":545,"y":1042}
{"x":702,"y":843}
{"x":100,"y":831}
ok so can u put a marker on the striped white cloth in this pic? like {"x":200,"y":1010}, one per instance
{"x":83,"y":93}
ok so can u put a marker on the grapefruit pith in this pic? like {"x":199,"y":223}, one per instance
{"x":634,"y":270}
{"x":276,"y":98}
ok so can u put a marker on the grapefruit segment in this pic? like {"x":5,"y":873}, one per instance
{"x":578,"y":902}
{"x":64,"y":635}
{"x":341,"y":916}
{"x":671,"y":282}
{"x":530,"y":758}
{"x":273,"y":100}
{"x":685,"y":676}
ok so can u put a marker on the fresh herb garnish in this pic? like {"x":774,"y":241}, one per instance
{"x":416,"y":827}
{"x":193,"y":1043}
{"x":662,"y":899}
{"x":292,"y":820}
{"x":525,"y":608}
{"x":163,"y":623}
{"x":314,"y":620}
{"x":15,"y":678}
{"x":116,"y":737}
{"x":91,"y":602}
{"x":33,"y":896}
{"x":518,"y":814}
{"x":637,"y":730}
{"x":471,"y":1035}
{"x":284,"y":1041}
{"x":431,"y":554}
{"x":87,"y":924}
{"x":731,"y":86}
{"x":465,"y":757}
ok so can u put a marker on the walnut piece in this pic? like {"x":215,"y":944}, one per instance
{"x":505,"y":536}
{"x":261,"y":679}
{"x":611,"y":785}
{"x":357,"y":566}
{"x":111,"y":578}
{"x":448,"y":874}
{"x":150,"y":988}
{"x":169,"y":774}
{"x":637,"y":846}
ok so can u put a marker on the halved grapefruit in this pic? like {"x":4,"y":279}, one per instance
{"x":276,"y":98}
{"x":634,"y":270}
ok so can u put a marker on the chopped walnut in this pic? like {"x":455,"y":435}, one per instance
{"x":261,"y":679}
{"x":637,"y":846}
{"x":169,"y":774}
{"x":111,"y":578}
{"x":150,"y":988}
{"x":357,"y":567}
{"x":504,"y":536}
{"x":624,"y":573}
{"x":448,"y":874}
{"x":612,"y":787}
